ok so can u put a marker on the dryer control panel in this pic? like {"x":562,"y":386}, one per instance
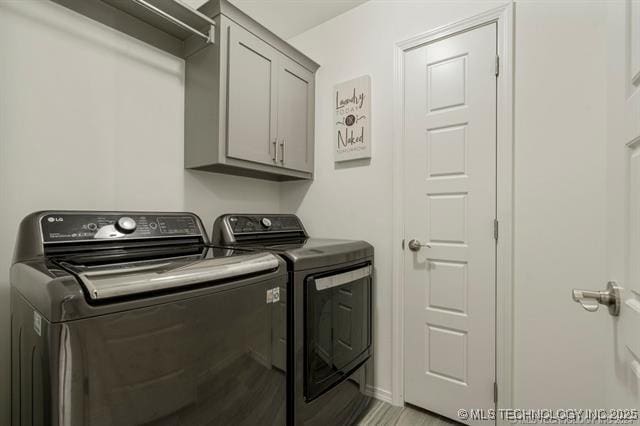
{"x":58,"y":227}
{"x":247,"y":228}
{"x":241,"y":224}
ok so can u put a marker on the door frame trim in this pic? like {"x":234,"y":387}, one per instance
{"x":503,"y":16}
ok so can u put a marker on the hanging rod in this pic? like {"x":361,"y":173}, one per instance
{"x":209,"y":38}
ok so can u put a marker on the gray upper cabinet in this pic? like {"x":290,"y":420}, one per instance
{"x":295,"y":116}
{"x":249,"y":102}
{"x":252,"y":114}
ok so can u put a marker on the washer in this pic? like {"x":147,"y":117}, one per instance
{"x":129,"y":318}
{"x":328,"y":315}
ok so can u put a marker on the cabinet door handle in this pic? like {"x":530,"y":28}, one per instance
{"x":275,"y":150}
{"x":282,"y":149}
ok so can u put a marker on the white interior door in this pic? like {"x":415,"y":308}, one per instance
{"x":623,"y":204}
{"x":450,"y":208}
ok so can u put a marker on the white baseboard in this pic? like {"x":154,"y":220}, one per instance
{"x":379,"y":393}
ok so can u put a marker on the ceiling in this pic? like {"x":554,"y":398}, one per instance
{"x":288,"y":18}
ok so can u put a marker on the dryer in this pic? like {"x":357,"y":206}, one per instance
{"x":328,"y":316}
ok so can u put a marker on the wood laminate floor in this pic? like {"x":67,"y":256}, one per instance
{"x":384,"y":414}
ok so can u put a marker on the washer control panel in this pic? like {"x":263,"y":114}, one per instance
{"x":75,"y":227}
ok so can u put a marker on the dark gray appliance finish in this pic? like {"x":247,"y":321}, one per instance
{"x":179,"y":333}
{"x":286,"y":235}
{"x":328,"y":314}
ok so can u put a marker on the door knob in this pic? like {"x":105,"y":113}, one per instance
{"x":415,"y":245}
{"x":591,"y":300}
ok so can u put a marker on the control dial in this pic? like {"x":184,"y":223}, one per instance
{"x":266,"y":222}
{"x":126,"y":225}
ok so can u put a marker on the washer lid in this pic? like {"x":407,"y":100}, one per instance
{"x":109,"y":281}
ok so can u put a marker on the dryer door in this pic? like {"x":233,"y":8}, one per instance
{"x":338,"y":327}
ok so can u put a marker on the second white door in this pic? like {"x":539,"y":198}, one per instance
{"x":450,"y":207}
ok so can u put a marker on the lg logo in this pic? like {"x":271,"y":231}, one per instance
{"x":55,"y":219}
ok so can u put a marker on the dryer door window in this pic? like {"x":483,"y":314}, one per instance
{"x":337,"y":325}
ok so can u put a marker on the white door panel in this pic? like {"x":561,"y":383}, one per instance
{"x":626,"y":328}
{"x":634,"y":39}
{"x":623,"y":202}
{"x":450,"y":180}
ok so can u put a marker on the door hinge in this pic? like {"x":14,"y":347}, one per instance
{"x":495,"y":392}
{"x":496,"y":229}
{"x":403,"y":244}
{"x":497,"y":65}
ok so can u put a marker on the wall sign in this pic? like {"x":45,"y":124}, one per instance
{"x":352,"y":133}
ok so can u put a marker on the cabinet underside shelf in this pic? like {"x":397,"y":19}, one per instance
{"x":229,"y":169}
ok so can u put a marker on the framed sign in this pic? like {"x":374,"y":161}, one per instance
{"x":352,"y":133}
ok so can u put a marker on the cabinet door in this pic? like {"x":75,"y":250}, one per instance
{"x":251,"y":105}
{"x":295,"y":116}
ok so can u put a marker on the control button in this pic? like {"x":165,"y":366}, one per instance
{"x":266,"y":222}
{"x":153,"y":225}
{"x":92,"y":227}
{"x":126,"y":225}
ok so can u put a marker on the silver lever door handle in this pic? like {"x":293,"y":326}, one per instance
{"x":415,"y":245}
{"x":591,"y":300}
